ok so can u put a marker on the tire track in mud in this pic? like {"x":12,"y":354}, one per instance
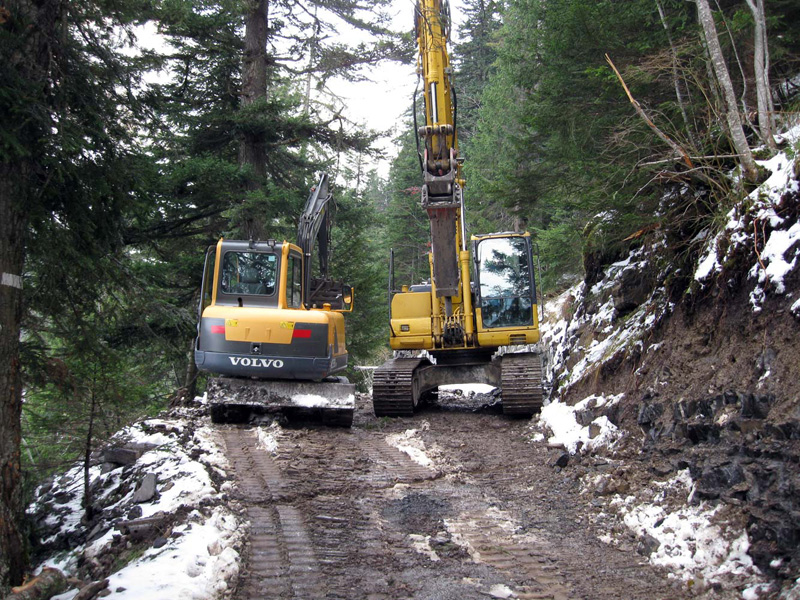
{"x":314,"y":510}
{"x":346,"y":515}
{"x":488,"y":541}
{"x":281,"y":562}
{"x":341,"y":480}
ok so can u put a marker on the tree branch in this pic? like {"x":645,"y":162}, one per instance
{"x":647,"y":120}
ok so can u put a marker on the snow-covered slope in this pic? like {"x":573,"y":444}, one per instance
{"x":164,"y":525}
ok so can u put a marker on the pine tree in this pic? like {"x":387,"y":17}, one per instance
{"x":474,"y":60}
{"x":407,"y":226}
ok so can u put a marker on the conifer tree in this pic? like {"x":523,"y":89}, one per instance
{"x":65,"y":178}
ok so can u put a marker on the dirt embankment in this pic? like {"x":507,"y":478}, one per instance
{"x":710,"y":385}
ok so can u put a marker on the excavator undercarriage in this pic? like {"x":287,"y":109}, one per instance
{"x":236,"y":400}
{"x":400,"y":383}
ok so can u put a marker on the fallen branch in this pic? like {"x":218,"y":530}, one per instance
{"x":50,"y":582}
{"x":647,"y":120}
{"x":710,"y":157}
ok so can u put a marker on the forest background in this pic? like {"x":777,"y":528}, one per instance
{"x":589,"y":123}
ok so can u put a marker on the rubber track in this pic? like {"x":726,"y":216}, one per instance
{"x":392,"y":387}
{"x":281,"y":561}
{"x":521,"y":384}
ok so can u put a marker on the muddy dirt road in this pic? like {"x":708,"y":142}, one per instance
{"x":482,"y":513}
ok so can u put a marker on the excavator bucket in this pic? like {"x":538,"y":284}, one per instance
{"x":233,"y":400}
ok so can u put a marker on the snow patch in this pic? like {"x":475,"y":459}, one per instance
{"x":316,"y":401}
{"x":561,"y":419}
{"x":690,"y":543}
{"x":267,"y":438}
{"x":422,"y":544}
{"x":200,"y":558}
{"x":410,"y":443}
{"x":756,"y":223}
{"x":198,"y":565}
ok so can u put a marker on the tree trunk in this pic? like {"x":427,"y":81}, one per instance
{"x":761,"y":69}
{"x":45,"y":585}
{"x":252,"y":148}
{"x":13,"y":225}
{"x":88,"y":509}
{"x":29,"y":29}
{"x":732,"y":117}
{"x":190,"y":378}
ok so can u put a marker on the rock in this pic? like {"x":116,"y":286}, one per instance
{"x":765,"y":361}
{"x":632,"y":289}
{"x":561,"y":461}
{"x":702,"y":432}
{"x":594,"y":430}
{"x":661,"y":469}
{"x":93,"y":590}
{"x":143,"y":528}
{"x":716,"y":481}
{"x":756,"y":407}
{"x":584,"y":417}
{"x":120,"y":456}
{"x":647,"y":545}
{"x":62,"y":497}
{"x":214,"y":548}
{"x":134,"y":513}
{"x":146,"y":489}
{"x":649,"y":413}
{"x":159,"y":542}
{"x":97,"y":532}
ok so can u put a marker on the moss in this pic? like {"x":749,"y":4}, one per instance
{"x":128,"y":556}
{"x":763,"y":153}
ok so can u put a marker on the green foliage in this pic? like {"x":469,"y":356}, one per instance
{"x":474,"y":60}
{"x":407,"y":228}
{"x":134,"y":181}
{"x":358,"y":260}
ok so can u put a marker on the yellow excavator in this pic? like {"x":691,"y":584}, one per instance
{"x":480,"y":306}
{"x":273,"y":331}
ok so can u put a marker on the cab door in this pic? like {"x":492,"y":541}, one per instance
{"x":506,"y":292}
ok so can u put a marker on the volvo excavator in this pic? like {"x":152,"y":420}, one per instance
{"x":480,"y":304}
{"x":274,"y":333}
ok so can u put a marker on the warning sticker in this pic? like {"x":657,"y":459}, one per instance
{"x":287,"y":324}
{"x":232,"y":323}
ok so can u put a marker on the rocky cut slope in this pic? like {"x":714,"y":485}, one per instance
{"x":688,"y":363}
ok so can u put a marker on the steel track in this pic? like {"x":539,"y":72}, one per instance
{"x":521,"y":384}
{"x":281,"y":561}
{"x":393,"y":393}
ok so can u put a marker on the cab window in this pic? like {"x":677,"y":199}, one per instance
{"x":294,"y":285}
{"x":249,"y":273}
{"x":506,"y":288}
